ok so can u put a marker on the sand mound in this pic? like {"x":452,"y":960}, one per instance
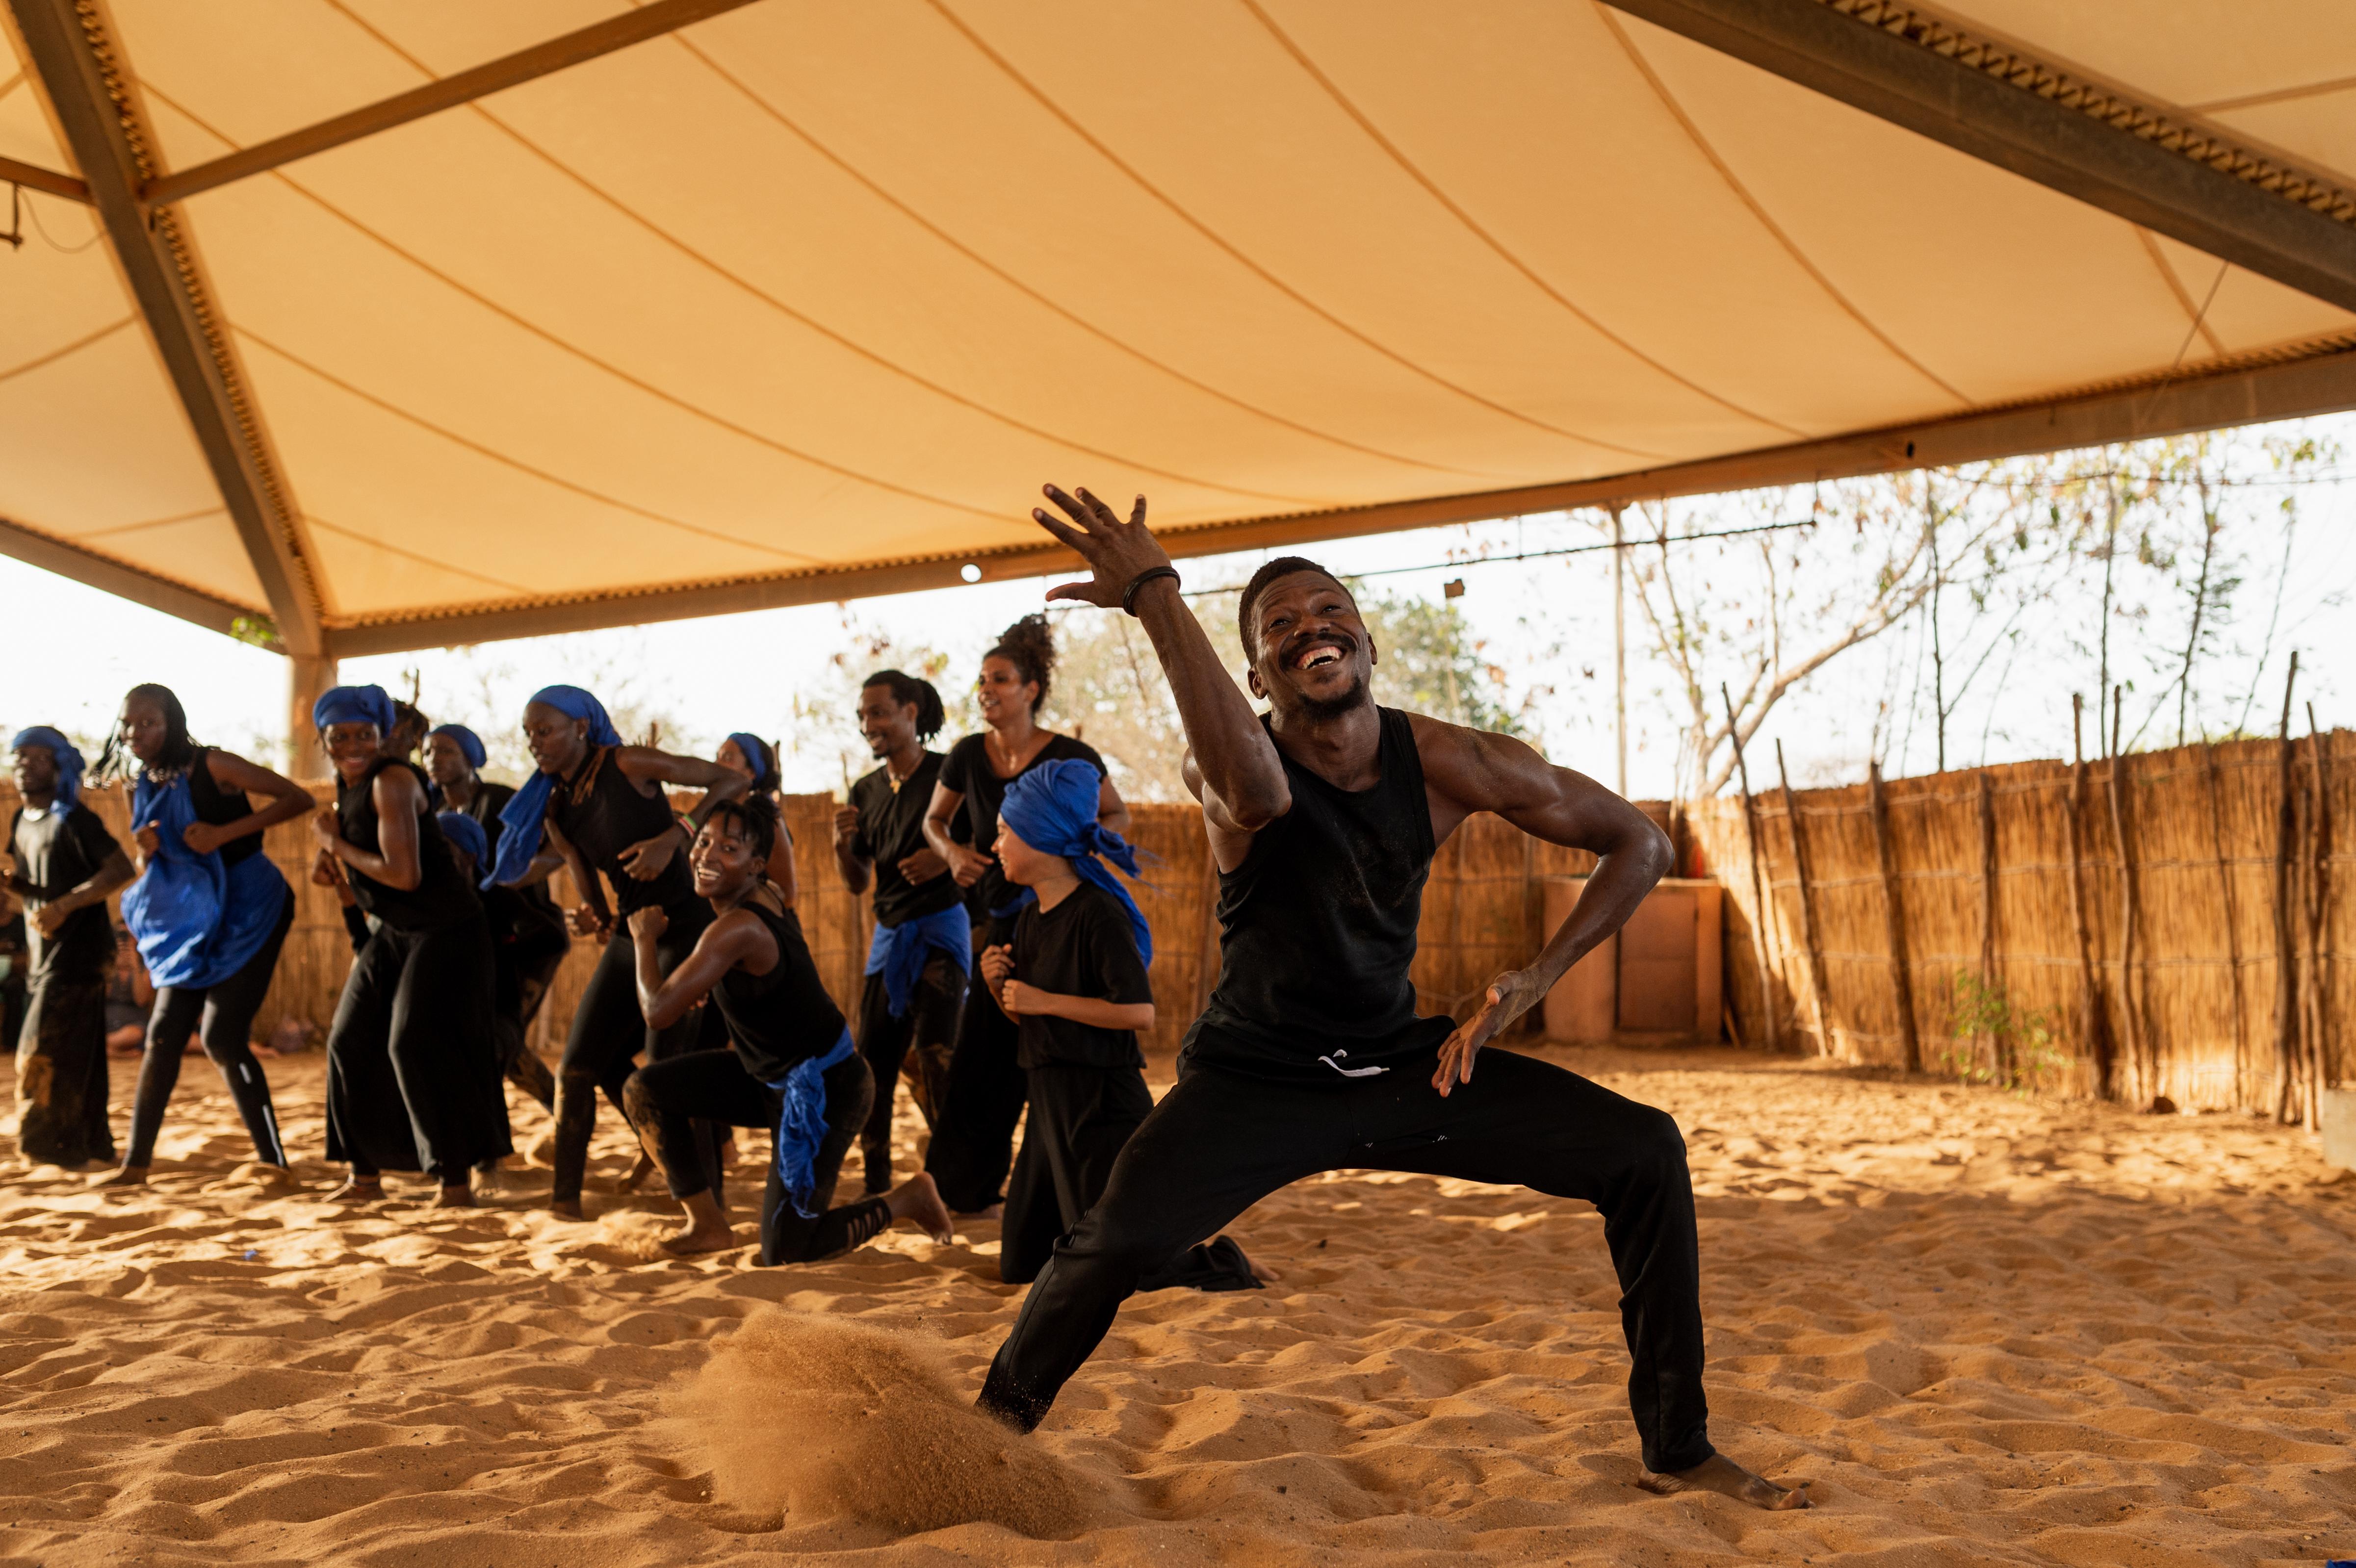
{"x":830,"y":1420}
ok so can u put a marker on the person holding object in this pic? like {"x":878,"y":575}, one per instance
{"x":1324,"y":815}
{"x":64,"y":864}
{"x":1074,"y":982}
{"x":790,"y":1066}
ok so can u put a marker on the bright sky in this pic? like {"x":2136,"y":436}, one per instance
{"x":70,"y":651}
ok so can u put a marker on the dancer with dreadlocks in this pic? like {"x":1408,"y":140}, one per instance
{"x":65,"y":863}
{"x":210,"y":912}
{"x":1323,"y":817}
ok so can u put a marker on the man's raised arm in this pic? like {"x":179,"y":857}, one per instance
{"x":1238,"y":761}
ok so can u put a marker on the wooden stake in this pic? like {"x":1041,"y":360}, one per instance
{"x":2233,"y":926}
{"x":1894,"y":906}
{"x":1818,"y":991}
{"x":1996,"y":1047}
{"x":2141,"y":1062}
{"x":1762,"y":913}
{"x":2094,"y":1019}
{"x":2318,"y":909}
{"x":2285,"y":953}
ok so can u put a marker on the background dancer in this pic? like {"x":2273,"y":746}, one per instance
{"x":746,"y":753}
{"x":1323,"y":817}
{"x":922,"y":950}
{"x":792,"y":1067}
{"x":65,"y":863}
{"x":602,"y":805}
{"x":975,"y":1139}
{"x":413,"y":1078}
{"x":209,"y":912}
{"x":1074,"y":981}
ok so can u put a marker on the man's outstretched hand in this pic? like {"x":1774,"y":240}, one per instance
{"x":1115,"y":551}
{"x":1510,"y":996}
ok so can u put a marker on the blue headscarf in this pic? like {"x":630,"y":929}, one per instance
{"x":354,"y":705}
{"x":470,"y":746}
{"x":1053,"y":808}
{"x":465,"y":833}
{"x":69,"y":762}
{"x":759,"y":758}
{"x":520,"y":838}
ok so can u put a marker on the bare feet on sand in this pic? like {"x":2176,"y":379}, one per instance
{"x":458,"y":1197}
{"x":566,"y":1208}
{"x":1264,"y":1273}
{"x":129,"y":1176}
{"x":1722,"y":1475}
{"x":357,"y":1189}
{"x":639,"y":1174}
{"x":917,"y":1199}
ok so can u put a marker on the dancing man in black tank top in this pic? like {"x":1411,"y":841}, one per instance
{"x":1323,"y":818}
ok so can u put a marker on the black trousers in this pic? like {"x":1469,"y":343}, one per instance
{"x":1218,"y":1143}
{"x":222,"y":1017}
{"x":973,"y":1142}
{"x":412,"y":1074}
{"x":608,"y":1031}
{"x":61,"y":1063}
{"x":668,"y":1098}
{"x":921,"y":1038}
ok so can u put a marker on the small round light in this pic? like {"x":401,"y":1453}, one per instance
{"x":970,"y":573}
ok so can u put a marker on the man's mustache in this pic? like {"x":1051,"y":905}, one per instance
{"x":1327,"y":637}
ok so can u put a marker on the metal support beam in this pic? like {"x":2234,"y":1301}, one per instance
{"x":90,"y":98}
{"x":2323,"y":384}
{"x":32,"y":177}
{"x":603,"y":38}
{"x":68,"y":559}
{"x":2083,"y":140}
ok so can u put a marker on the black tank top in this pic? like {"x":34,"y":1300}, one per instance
{"x":1317,"y":929}
{"x":603,"y":814}
{"x":220,"y":807}
{"x":440,"y":894}
{"x":786,"y":1016}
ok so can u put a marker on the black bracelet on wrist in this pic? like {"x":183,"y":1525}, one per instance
{"x":1128,"y":595}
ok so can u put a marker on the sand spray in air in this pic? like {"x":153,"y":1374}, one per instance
{"x":825,"y":1419}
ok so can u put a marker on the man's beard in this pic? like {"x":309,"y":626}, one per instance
{"x":1338,"y":704}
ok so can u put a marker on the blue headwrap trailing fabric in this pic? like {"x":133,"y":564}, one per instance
{"x":69,"y":756}
{"x":802,"y":1122}
{"x":470,"y":746}
{"x":758,"y":756}
{"x":1053,"y":808}
{"x":354,"y":705}
{"x":898,"y":953}
{"x":521,"y":820}
{"x":465,"y":833}
{"x":197,"y":921}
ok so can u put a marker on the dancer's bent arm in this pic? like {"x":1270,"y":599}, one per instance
{"x":650,"y":770}
{"x":288,"y":800}
{"x":399,"y":802}
{"x":736,"y":938}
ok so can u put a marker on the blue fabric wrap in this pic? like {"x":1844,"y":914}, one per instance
{"x":69,"y":756}
{"x":470,"y":746}
{"x":354,"y":705}
{"x":801,"y":1123}
{"x":756,"y":752}
{"x":465,"y":833}
{"x":897,"y":952}
{"x":1053,"y":808}
{"x":197,"y":921}
{"x":520,"y":838}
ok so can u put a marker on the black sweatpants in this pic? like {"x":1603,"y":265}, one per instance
{"x":973,"y":1142}
{"x":608,"y":1031}
{"x":920,"y":1038}
{"x":667,"y":1099}
{"x":1218,"y":1143}
{"x":412,"y":1074}
{"x":222,"y":1017}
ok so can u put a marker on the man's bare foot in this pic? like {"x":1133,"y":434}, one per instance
{"x":917,"y":1199}
{"x":128,"y":1176}
{"x":358,"y":1189}
{"x":700,"y":1238}
{"x":460,"y":1196}
{"x":1264,"y":1273}
{"x":1722,"y":1475}
{"x":566,"y":1208}
{"x":639,"y":1174}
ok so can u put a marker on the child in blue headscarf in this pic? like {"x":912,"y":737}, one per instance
{"x":1074,"y":981}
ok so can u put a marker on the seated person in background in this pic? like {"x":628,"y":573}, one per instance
{"x":130,"y":999}
{"x":1074,"y":982}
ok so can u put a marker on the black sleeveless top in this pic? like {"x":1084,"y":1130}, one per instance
{"x":441,"y":895}
{"x":1317,"y":929}
{"x":603,"y":814}
{"x":220,"y":807}
{"x":784,"y":1016}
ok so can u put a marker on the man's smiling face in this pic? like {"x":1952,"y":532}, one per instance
{"x":1309,"y":651}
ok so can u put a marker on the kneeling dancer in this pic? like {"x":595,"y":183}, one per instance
{"x":793,"y":1066}
{"x":1322,"y":818}
{"x":412,"y":1075}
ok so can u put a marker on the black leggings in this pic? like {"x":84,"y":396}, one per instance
{"x":222,"y":1015}
{"x":924,"y":1032}
{"x":1218,"y":1143}
{"x":667,"y":1100}
{"x":608,"y":1030}
{"x":973,"y":1142}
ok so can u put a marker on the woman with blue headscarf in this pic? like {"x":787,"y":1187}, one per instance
{"x":210,"y":912}
{"x":65,"y":863}
{"x":412,"y":1077}
{"x":746,"y":753}
{"x":600,"y":806}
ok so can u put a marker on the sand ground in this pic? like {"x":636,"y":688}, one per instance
{"x":1986,"y":1330}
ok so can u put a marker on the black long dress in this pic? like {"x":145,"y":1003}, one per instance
{"x":412,"y":1075}
{"x":61,"y":1054}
